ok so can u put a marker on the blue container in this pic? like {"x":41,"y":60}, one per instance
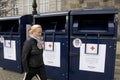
{"x":93,"y":37}
{"x":55,"y":35}
{"x":12,"y":36}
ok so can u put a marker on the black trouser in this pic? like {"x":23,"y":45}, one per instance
{"x":38,"y":72}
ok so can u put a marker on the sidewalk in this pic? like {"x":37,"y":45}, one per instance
{"x":11,"y":75}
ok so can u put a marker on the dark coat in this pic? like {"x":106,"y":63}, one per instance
{"x":32,"y":56}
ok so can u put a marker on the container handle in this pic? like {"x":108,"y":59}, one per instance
{"x":86,"y":37}
{"x":53,"y":40}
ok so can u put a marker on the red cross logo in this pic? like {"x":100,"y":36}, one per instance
{"x":50,"y":45}
{"x":9,"y":43}
{"x":92,"y":48}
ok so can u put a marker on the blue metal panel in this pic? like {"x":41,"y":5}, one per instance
{"x":55,"y":29}
{"x":88,"y":75}
{"x":13,"y":28}
{"x":59,"y":73}
{"x":83,"y":26}
{"x":11,"y":64}
{"x":94,"y":11}
{"x":51,"y":14}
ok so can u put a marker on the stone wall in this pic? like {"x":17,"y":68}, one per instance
{"x":88,"y":4}
{"x":117,"y":65}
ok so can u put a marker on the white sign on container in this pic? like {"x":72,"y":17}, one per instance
{"x":10,"y":49}
{"x":51,"y":56}
{"x":90,"y":62}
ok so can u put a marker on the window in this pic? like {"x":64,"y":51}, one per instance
{"x":50,"y":6}
{"x":27,"y":6}
{"x":15,"y":7}
{"x":59,"y":3}
{"x":44,"y":6}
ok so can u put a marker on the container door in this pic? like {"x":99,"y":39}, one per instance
{"x":55,"y":35}
{"x":12,"y":36}
{"x":92,"y":41}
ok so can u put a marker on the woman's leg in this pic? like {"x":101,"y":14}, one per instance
{"x":41,"y":73}
{"x":29,"y":75}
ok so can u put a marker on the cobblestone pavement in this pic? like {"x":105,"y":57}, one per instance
{"x":11,"y":75}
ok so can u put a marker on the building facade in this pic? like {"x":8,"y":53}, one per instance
{"x":21,"y":7}
{"x":43,"y":6}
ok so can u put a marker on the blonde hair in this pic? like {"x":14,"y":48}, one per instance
{"x":33,"y":28}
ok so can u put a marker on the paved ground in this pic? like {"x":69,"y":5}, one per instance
{"x":11,"y":75}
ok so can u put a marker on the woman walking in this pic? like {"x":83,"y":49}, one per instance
{"x":32,"y":56}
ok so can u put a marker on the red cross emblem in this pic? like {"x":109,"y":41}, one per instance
{"x":9,"y":43}
{"x":92,"y":48}
{"x":50,"y":45}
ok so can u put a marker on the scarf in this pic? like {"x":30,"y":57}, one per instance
{"x":40,"y":42}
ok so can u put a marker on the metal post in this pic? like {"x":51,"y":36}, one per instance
{"x":34,"y":5}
